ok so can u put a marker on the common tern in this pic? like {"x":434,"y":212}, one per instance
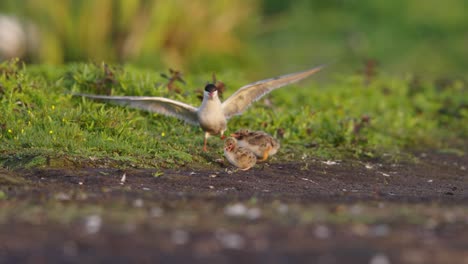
{"x":212,"y":115}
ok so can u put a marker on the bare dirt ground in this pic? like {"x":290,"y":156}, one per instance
{"x":313,"y":211}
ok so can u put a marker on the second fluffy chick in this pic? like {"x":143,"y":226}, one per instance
{"x":260,"y":143}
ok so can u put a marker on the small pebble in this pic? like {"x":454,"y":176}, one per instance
{"x":93,"y":224}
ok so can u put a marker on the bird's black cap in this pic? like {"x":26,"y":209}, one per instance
{"x":210,"y":88}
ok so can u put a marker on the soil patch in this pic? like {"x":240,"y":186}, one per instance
{"x":313,"y":210}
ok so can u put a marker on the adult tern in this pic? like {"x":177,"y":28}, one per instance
{"x":212,"y":115}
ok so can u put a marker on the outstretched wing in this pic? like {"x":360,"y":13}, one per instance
{"x":159,"y":105}
{"x":246,"y":95}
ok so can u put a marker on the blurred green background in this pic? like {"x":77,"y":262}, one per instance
{"x":262,"y":37}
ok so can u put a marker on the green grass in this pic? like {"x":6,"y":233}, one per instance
{"x":43,"y":124}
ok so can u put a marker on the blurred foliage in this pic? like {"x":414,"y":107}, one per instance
{"x":423,"y":37}
{"x":152,"y":33}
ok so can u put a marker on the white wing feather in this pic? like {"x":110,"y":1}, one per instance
{"x":246,"y":95}
{"x":159,"y":105}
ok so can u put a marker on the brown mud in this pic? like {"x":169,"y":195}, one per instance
{"x":313,"y":211}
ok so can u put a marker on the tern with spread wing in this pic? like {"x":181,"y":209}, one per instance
{"x":213,"y":114}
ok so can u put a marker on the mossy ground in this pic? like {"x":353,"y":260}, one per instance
{"x":358,"y":116}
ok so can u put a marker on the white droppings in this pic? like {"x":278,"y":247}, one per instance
{"x":429,"y":181}
{"x":179,"y":237}
{"x":330,"y":162}
{"x":368,"y":166}
{"x":123,"y":179}
{"x":80,"y":183}
{"x":146,"y":189}
{"x":384,"y":174}
{"x":309,"y":180}
{"x":379,"y":259}
{"x":93,"y":224}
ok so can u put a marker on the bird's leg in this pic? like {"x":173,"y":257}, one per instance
{"x":222,"y":136}
{"x":205,"y":140}
{"x":265,"y":154}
